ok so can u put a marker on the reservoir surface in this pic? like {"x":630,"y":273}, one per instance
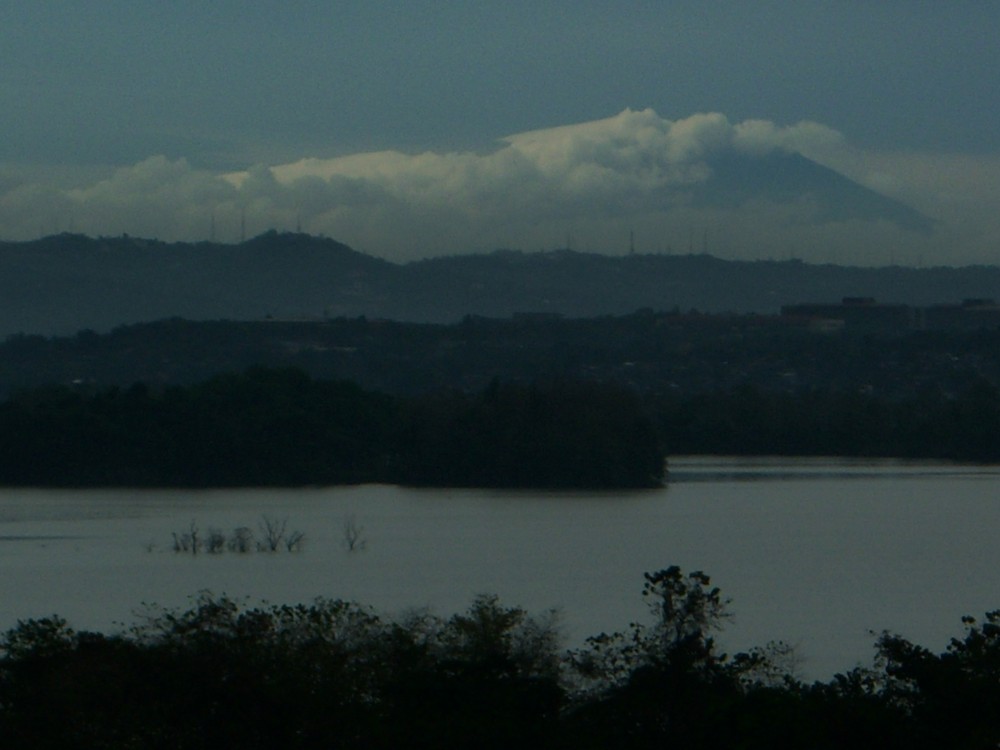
{"x":820,"y":553}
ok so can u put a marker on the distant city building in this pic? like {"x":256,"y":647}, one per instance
{"x":972,"y":315}
{"x":536,"y":317}
{"x":855,"y":313}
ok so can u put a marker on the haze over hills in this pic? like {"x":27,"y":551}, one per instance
{"x":65,"y":283}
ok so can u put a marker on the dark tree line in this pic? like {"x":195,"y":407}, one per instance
{"x":333,"y":674}
{"x":749,"y":421}
{"x":562,"y":435}
{"x":280,"y":427}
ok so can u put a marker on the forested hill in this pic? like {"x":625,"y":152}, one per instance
{"x":66,"y":283}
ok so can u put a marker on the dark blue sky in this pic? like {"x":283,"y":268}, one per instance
{"x":231,"y":83}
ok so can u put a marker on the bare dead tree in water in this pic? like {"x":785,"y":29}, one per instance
{"x":353,"y":534}
{"x":294,"y":541}
{"x":273,"y":535}
{"x":241,"y":541}
{"x":215,"y":542}
{"x":272,"y":532}
{"x":189,"y":541}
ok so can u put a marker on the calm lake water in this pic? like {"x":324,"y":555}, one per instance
{"x":817,"y":553}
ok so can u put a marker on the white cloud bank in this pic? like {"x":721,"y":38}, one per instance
{"x":591,"y":185}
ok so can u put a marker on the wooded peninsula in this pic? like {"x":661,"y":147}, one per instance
{"x":282,"y":428}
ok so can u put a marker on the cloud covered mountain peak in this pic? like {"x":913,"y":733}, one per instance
{"x":634,"y":149}
{"x":757,"y":186}
{"x":674,"y":141}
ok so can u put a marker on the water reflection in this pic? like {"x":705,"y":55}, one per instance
{"x":756,"y":468}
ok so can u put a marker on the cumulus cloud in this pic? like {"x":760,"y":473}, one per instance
{"x":632,"y":152}
{"x":589,"y":185}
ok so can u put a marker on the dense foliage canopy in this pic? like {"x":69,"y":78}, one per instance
{"x":749,"y":421}
{"x":334,"y":674}
{"x":280,"y":427}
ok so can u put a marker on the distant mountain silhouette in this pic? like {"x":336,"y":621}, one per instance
{"x":782,"y":178}
{"x":66,"y":283}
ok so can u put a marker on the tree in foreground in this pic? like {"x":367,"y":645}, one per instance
{"x":334,"y":674}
